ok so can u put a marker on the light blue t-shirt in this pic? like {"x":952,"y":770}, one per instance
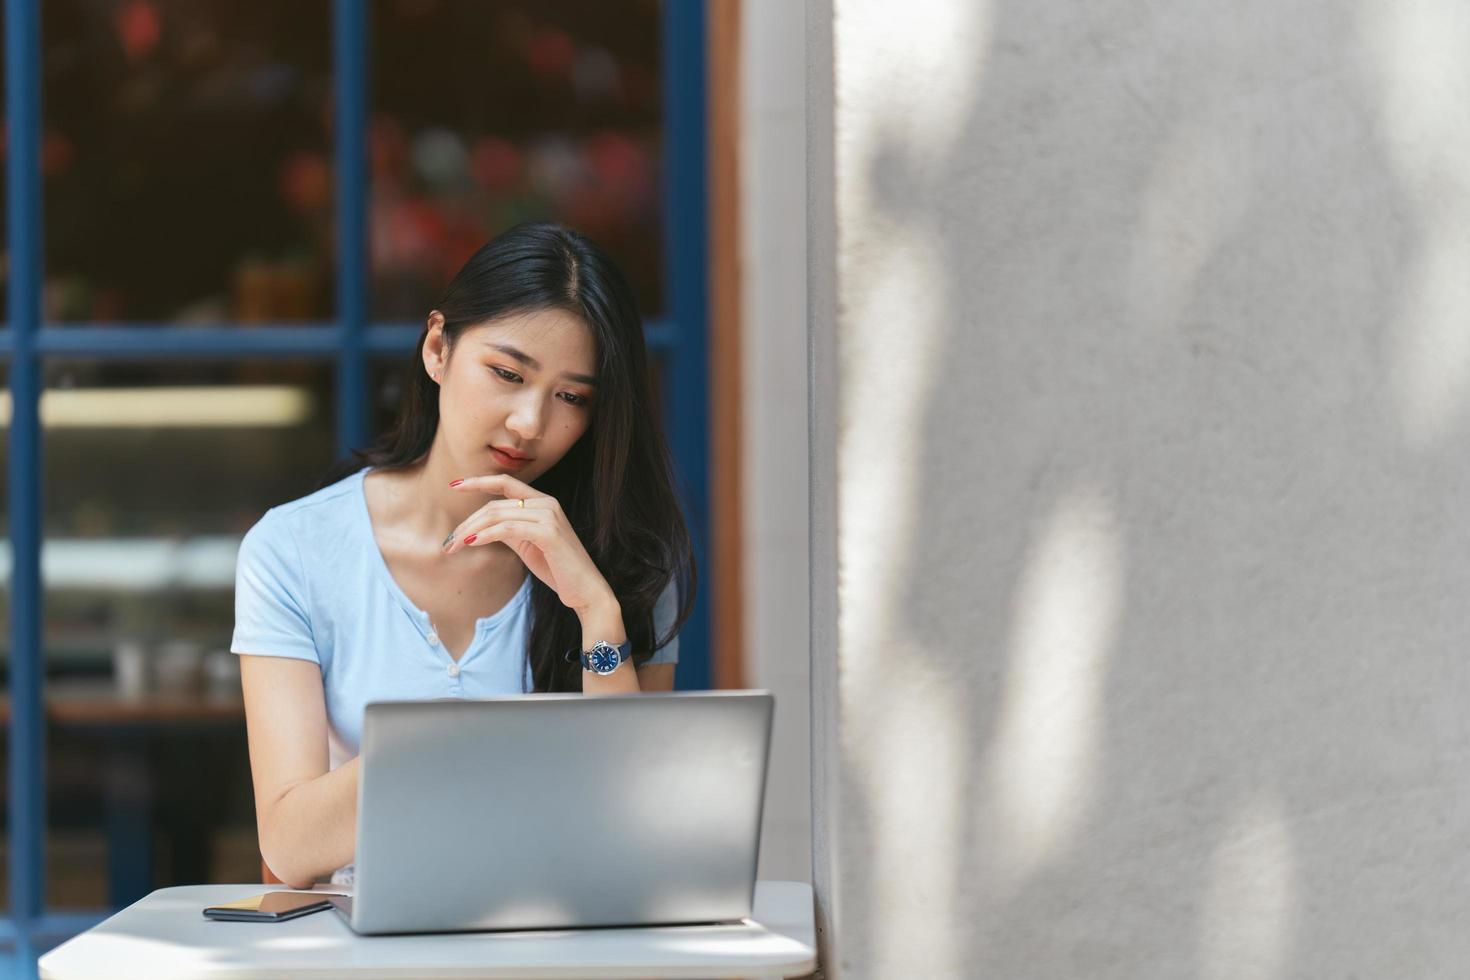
{"x":310,"y":583}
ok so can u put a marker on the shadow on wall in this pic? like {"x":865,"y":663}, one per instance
{"x":1157,"y":317}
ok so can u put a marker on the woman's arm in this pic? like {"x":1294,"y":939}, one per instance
{"x":537,"y":530}
{"x":605,"y":622}
{"x":306,"y":817}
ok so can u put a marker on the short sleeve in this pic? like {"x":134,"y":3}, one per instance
{"x":271,"y":608}
{"x":665,"y":611}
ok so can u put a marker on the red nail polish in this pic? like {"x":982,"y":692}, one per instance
{"x":469,"y":539}
{"x":456,"y":483}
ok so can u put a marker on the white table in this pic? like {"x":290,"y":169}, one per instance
{"x":166,"y":936}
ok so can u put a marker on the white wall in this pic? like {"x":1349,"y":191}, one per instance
{"x":1141,"y":474}
{"x":774,"y":396}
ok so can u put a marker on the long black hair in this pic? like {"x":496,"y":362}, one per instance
{"x":616,"y":483}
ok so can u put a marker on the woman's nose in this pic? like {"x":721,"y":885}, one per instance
{"x":525,"y":421}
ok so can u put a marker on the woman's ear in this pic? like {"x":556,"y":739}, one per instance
{"x":436,"y":348}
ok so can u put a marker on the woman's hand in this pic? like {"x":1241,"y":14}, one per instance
{"x":533,"y":526}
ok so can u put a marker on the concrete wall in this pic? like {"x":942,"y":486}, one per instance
{"x":1141,"y":487}
{"x":773,"y":266}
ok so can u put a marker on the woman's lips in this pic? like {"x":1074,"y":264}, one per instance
{"x":508,"y":461}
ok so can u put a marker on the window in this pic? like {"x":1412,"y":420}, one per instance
{"x":186,"y":345}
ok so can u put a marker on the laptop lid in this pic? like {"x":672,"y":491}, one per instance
{"x":559,"y":810}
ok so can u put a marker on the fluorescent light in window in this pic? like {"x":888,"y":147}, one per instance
{"x":135,"y":565}
{"x":192,"y":407}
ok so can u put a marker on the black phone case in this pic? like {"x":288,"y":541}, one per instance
{"x":237,"y":915}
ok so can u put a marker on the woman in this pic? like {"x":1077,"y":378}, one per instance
{"x":517,"y":530}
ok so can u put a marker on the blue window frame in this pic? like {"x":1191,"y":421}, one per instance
{"x":679,"y":337}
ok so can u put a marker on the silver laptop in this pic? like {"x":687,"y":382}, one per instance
{"x":559,"y":811}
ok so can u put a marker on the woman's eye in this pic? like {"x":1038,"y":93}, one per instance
{"x":505,"y":375}
{"x":572,"y":398}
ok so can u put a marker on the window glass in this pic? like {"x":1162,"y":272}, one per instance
{"x":657,"y":368}
{"x":387,"y":380}
{"x":186,"y":160}
{"x":485,"y":115}
{"x":153,"y":473}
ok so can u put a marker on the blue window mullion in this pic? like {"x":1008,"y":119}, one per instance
{"x":172,"y":342}
{"x":349,"y":67}
{"x":686,"y":251}
{"x":27,"y":670}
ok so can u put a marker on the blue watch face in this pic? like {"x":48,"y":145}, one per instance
{"x":604,"y":659}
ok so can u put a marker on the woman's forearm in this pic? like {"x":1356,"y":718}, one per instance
{"x":605,"y":622}
{"x":311,"y":830}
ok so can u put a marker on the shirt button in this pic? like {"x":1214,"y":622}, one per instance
{"x":454,"y":670}
{"x":433,"y":639}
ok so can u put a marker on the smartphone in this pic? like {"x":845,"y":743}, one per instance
{"x":270,"y":907}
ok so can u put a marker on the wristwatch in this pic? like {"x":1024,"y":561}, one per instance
{"x":604,"y":658}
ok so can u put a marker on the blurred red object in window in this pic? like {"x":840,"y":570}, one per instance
{"x":551,"y":53}
{"x":139,"y":28}
{"x":497,"y":164}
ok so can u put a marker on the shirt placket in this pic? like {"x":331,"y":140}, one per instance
{"x":452,"y":668}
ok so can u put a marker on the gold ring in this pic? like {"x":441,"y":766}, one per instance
{"x":520,"y":503}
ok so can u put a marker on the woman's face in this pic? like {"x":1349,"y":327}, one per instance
{"x":515,"y":393}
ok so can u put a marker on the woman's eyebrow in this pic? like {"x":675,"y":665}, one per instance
{"x":535,"y":365}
